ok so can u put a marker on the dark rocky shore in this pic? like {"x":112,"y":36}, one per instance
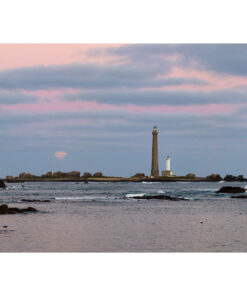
{"x":4,"y":210}
{"x":239,"y":196}
{"x":2,"y":184}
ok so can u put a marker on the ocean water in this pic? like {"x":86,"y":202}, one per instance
{"x":102,"y":217}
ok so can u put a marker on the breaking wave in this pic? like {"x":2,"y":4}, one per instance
{"x":134,"y":194}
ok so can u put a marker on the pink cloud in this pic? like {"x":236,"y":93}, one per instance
{"x":63,"y":106}
{"x":213,"y":81}
{"x":27,"y":55}
{"x":20,"y":55}
{"x":192,"y":109}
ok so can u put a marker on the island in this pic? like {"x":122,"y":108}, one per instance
{"x":76,"y":176}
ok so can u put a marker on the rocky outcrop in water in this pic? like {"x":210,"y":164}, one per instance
{"x":230,"y":189}
{"x":60,"y":174}
{"x":139,"y":175}
{"x":231,"y":178}
{"x":87,"y":175}
{"x":4,"y":210}
{"x":190,"y":175}
{"x":27,"y":176}
{"x":98,"y":175}
{"x":35,"y":200}
{"x":160,"y":197}
{"x":2,"y":184}
{"x":239,"y":196}
{"x":214,"y":177}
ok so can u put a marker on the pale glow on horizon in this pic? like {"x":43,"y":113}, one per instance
{"x":60,"y":155}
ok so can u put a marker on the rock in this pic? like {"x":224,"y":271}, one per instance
{"x":5,"y":226}
{"x":35,"y":200}
{"x":29,"y":209}
{"x":230,"y":189}
{"x":87,"y":175}
{"x":239,"y":196}
{"x":160,"y":197}
{"x":59,"y":174}
{"x":240,"y":178}
{"x":4,"y":209}
{"x":201,"y":222}
{"x":190,"y":175}
{"x":214,"y":177}
{"x":139,"y":175}
{"x":14,"y":210}
{"x":11,"y":212}
{"x":98,"y":174}
{"x":231,"y":178}
{"x":27,"y":176}
{"x":2,"y":184}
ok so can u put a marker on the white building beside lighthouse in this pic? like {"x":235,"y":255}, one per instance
{"x":168,"y":171}
{"x":168,"y":163}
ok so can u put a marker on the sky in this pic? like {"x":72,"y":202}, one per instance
{"x":92,"y":107}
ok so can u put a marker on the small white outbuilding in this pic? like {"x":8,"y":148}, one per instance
{"x":168,"y":171}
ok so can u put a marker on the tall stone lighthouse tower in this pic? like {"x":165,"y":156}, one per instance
{"x":155,"y":162}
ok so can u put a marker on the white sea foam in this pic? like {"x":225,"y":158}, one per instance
{"x":161,"y":191}
{"x":134,"y":194}
{"x":13,"y":187}
{"x":144,"y":182}
{"x":85,"y":197}
{"x":221,"y":181}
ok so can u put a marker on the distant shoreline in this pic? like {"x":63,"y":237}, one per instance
{"x":115,"y":179}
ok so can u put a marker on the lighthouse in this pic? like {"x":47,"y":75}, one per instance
{"x":168,"y":163}
{"x":155,"y":162}
{"x":168,"y":172}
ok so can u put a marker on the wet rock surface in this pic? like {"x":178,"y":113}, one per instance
{"x":239,"y":196}
{"x":35,"y":200}
{"x":2,"y":184}
{"x":160,"y":197}
{"x":230,"y":189}
{"x":4,"y":210}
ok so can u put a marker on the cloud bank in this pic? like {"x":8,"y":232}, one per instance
{"x":100,"y":107}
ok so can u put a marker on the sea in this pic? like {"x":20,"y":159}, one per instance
{"x":104,"y":217}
